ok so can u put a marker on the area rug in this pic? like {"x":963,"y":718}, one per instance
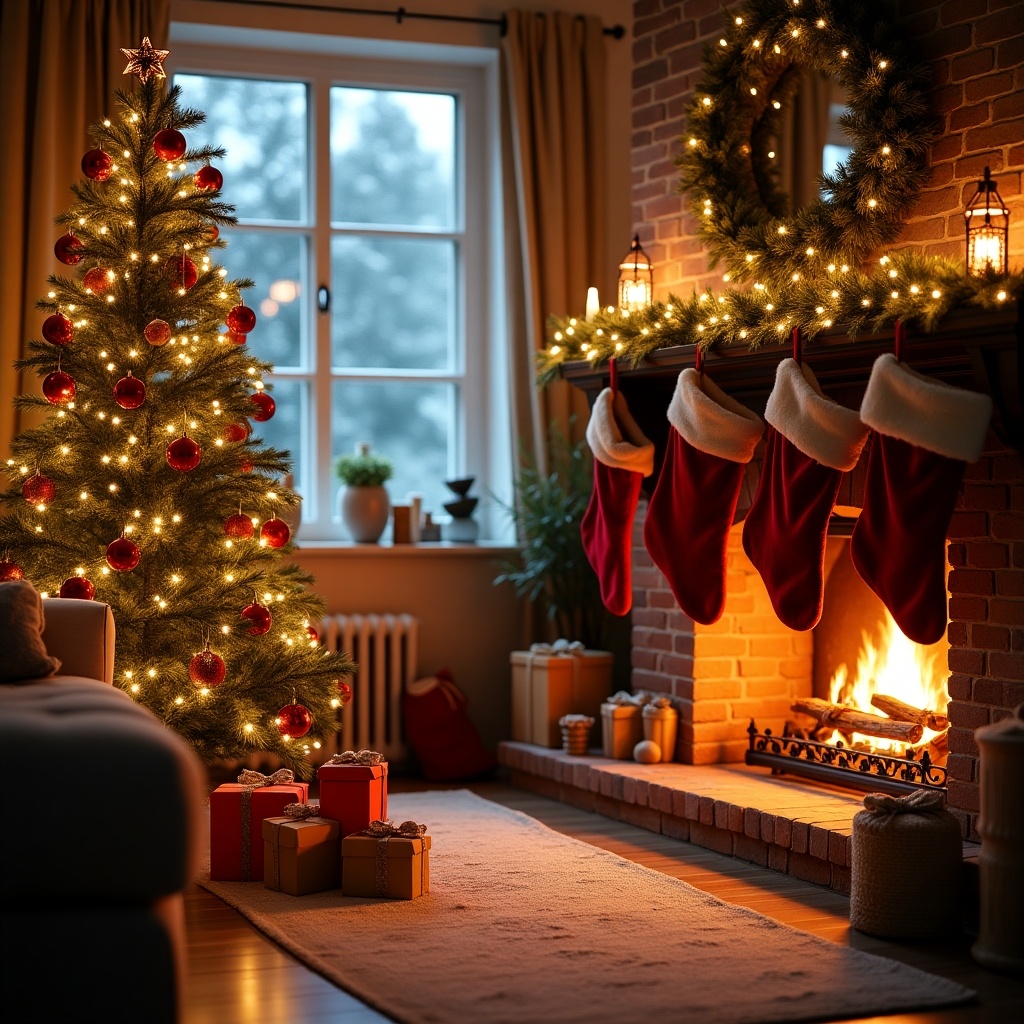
{"x":523,"y":924}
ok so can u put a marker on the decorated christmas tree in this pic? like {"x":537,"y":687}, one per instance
{"x":143,"y":486}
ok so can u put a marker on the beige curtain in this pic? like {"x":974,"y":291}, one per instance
{"x":556,"y":199}
{"x":59,"y":66}
{"x":804,"y":134}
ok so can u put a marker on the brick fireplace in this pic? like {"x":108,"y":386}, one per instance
{"x":748,"y":663}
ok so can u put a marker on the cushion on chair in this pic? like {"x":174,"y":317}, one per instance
{"x":23,"y":655}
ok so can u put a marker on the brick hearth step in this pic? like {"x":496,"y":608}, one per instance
{"x":795,"y":826}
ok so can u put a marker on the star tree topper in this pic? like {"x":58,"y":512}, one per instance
{"x":146,"y":62}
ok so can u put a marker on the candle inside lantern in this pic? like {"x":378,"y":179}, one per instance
{"x":593,"y":305}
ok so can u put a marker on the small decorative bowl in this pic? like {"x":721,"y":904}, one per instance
{"x":460,"y":487}
{"x":462,"y":508}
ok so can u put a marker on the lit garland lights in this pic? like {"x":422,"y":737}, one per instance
{"x":807,"y":269}
{"x":121,"y":491}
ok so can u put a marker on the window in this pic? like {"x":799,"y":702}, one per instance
{"x":365,"y":199}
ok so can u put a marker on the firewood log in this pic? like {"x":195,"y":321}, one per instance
{"x":895,"y":708}
{"x":850,"y":720}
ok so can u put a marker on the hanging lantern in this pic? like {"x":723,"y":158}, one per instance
{"x":636,"y":278}
{"x":988,"y":228}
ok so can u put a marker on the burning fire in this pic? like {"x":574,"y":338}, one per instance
{"x":897,"y":667}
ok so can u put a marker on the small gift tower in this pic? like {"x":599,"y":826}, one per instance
{"x":463,"y":526}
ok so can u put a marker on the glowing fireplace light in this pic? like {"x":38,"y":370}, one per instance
{"x":896,"y":667}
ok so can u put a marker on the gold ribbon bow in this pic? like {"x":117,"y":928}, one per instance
{"x":362,"y":757}
{"x":256,"y":780}
{"x":382,"y":831}
{"x":302,"y":811}
{"x":922,"y":801}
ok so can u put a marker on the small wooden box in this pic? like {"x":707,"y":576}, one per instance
{"x":396,"y":868}
{"x":622,"y":728}
{"x":546,"y":687}
{"x":300,"y":857}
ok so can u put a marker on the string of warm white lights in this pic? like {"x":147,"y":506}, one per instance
{"x":806,"y":269}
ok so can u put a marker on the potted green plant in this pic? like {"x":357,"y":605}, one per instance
{"x":553,"y":570}
{"x":363,"y":501}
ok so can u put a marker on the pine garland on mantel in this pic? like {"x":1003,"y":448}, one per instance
{"x":814,"y":268}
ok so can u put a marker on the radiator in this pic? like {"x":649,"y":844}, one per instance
{"x":384,"y":649}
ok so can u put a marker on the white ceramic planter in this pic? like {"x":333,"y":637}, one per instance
{"x":364,"y":511}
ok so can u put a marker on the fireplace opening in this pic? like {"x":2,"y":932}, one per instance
{"x":862,"y":660}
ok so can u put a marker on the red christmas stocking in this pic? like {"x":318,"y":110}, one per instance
{"x":812,"y":441}
{"x":926,"y":432}
{"x":622,"y":458}
{"x":711,"y":439}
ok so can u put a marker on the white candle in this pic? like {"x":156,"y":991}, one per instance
{"x":592,"y":303}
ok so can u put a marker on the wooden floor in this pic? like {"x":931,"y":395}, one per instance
{"x":237,"y":976}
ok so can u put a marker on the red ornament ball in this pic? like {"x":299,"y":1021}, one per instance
{"x":77,"y":587}
{"x":157,"y":333}
{"x":207,"y":668}
{"x":169,"y":144}
{"x":275,"y":532}
{"x":129,"y":392}
{"x":183,"y":454}
{"x":314,"y":636}
{"x":237,"y":432}
{"x":211,"y":233}
{"x":294,"y":720}
{"x":96,"y":280}
{"x":208,"y":179}
{"x":267,"y":406}
{"x":38,"y":489}
{"x":259,"y":617}
{"x":123,"y":555}
{"x":246,"y":466}
{"x":241,"y":319}
{"x":181,"y":272}
{"x":239,"y":526}
{"x":58,"y":387}
{"x":58,"y":329}
{"x":344,"y":693}
{"x":10,"y":571}
{"x":66,"y":249}
{"x":97,"y":165}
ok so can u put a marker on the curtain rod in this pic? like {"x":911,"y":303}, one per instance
{"x":400,"y":14}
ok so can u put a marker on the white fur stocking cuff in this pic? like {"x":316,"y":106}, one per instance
{"x":614,"y":437}
{"x":712,"y":421}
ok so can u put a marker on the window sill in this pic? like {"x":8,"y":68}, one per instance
{"x":349,"y":549}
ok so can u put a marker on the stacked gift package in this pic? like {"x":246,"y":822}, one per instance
{"x":301,"y":851}
{"x":622,"y":724}
{"x":237,"y":811}
{"x":553,"y":680}
{"x":354,"y":789}
{"x":386,"y":860}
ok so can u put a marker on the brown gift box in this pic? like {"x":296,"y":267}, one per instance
{"x":547,"y":686}
{"x":301,"y":856}
{"x":396,"y":867}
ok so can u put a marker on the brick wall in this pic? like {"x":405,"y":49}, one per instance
{"x":975,"y":49}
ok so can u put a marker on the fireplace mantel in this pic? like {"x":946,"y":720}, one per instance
{"x":971,"y":348}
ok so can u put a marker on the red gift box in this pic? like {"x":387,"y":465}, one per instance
{"x":237,"y":811}
{"x":353,"y":794}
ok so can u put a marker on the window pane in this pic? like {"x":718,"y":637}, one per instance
{"x":288,"y":430}
{"x":277,"y":263}
{"x":412,"y":424}
{"x":262,"y":125}
{"x":392,"y":158}
{"x":393,"y":303}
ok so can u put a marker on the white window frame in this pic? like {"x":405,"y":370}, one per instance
{"x":480,"y":444}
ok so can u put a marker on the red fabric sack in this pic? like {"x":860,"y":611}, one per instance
{"x":440,"y":732}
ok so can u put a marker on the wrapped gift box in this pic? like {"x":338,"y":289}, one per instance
{"x":301,"y":856}
{"x":236,"y":833}
{"x":661,"y":723}
{"x":622,"y":728}
{"x":394,"y":867}
{"x":547,"y":686}
{"x":353,"y":794}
